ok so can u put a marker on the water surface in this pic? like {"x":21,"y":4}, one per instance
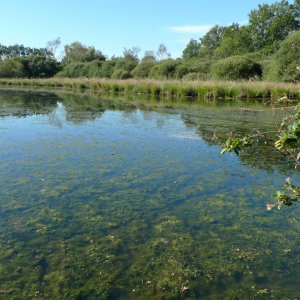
{"x":105,"y":199}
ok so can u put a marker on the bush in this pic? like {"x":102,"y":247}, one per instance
{"x":236,"y":68}
{"x":40,"y":66}
{"x":201,"y":67}
{"x":73,"y":70}
{"x":121,"y":74}
{"x":287,"y":59}
{"x":107,"y":69}
{"x":270,"y":70}
{"x":142,"y":70}
{"x":12,"y":68}
{"x":181,"y":70}
{"x":91,"y":69}
{"x":164,"y":70}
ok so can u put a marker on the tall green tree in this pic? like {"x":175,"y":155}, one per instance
{"x":235,"y":40}
{"x":211,"y":41}
{"x":191,"y":50}
{"x":270,"y":24}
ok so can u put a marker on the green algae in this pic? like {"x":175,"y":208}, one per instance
{"x":121,"y":203}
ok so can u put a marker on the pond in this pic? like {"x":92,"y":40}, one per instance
{"x":130,"y":199}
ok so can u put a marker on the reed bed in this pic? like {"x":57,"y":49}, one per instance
{"x":171,"y":88}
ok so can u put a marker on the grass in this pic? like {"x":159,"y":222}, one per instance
{"x":210,"y":90}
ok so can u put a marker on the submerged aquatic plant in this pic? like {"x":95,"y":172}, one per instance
{"x":127,"y":207}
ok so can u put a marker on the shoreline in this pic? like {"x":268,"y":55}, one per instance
{"x":174,"y":89}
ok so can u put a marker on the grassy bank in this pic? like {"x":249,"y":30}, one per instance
{"x":174,"y":89}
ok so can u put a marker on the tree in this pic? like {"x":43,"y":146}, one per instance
{"x":124,"y":65}
{"x":270,"y":24}
{"x":142,"y":70}
{"x":149,"y":55}
{"x":21,"y":51}
{"x":162,"y":52}
{"x":40,"y":66}
{"x":297,"y":7}
{"x":53,"y":45}
{"x":77,"y":52}
{"x":235,"y":40}
{"x":211,"y":41}
{"x":191,"y":50}
{"x":131,"y":58}
{"x":107,"y":68}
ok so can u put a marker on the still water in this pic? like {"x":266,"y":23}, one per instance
{"x":110,"y":199}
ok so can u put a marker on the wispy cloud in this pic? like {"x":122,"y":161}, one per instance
{"x":200,"y":29}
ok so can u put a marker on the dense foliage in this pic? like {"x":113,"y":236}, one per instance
{"x":19,"y":61}
{"x":288,"y":57}
{"x":266,"y":48}
{"x":76,"y":52}
{"x":235,"y":68}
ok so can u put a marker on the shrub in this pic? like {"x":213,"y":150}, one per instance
{"x":142,"y":70}
{"x":202,"y":67}
{"x":107,"y":69}
{"x":181,"y":70}
{"x":164,"y":70}
{"x":121,"y":74}
{"x":12,"y":68}
{"x":270,"y":70}
{"x":73,"y":70}
{"x":100,"y":69}
{"x":40,"y":66}
{"x":236,"y":68}
{"x":287,"y":59}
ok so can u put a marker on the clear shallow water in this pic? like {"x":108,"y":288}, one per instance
{"x":110,"y":200}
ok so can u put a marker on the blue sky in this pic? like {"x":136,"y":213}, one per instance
{"x":111,"y":25}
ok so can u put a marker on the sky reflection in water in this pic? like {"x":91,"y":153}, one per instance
{"x":115,"y":201}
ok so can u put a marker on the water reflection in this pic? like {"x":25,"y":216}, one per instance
{"x":109,"y":199}
{"x":205,"y":119}
{"x":58,"y":116}
{"x":22,"y":104}
{"x":260,"y":154}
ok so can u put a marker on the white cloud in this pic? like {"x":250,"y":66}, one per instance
{"x":201,"y":29}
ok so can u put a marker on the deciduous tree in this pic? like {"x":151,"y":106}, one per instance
{"x":270,"y":24}
{"x":191,"y":50}
{"x":77,"y":52}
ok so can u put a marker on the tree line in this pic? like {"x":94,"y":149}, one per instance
{"x":267,"y":48}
